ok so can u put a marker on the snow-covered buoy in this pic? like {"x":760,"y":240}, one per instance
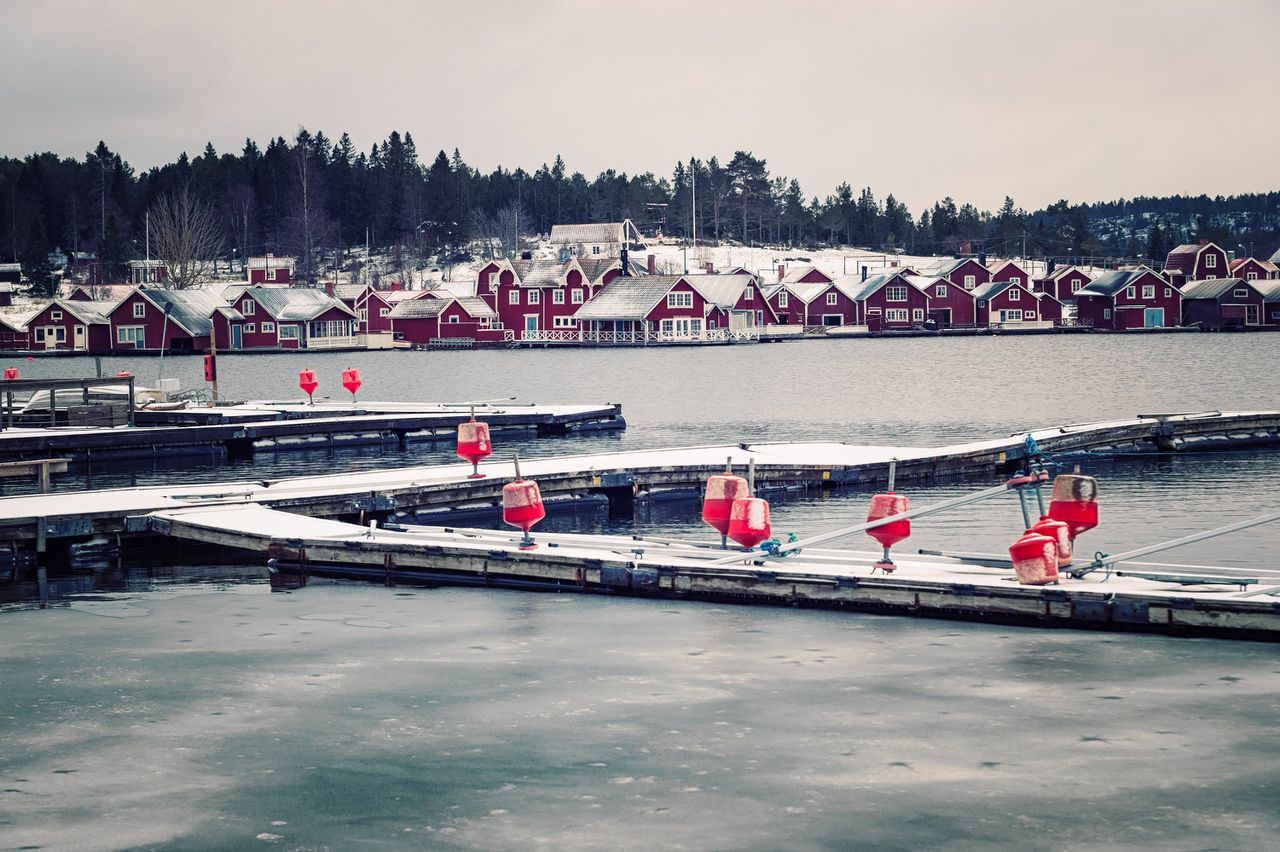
{"x":1035,"y":559}
{"x":749,"y":521}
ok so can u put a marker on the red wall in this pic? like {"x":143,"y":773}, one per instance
{"x":259,"y":276}
{"x":697,"y":310}
{"x":1025,"y":301}
{"x":957,"y":299}
{"x":153,"y":322}
{"x":981,"y":274}
{"x":847,"y":308}
{"x":97,"y":337}
{"x":793,"y":313}
{"x":916,"y":301}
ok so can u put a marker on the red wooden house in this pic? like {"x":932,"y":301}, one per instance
{"x":789,"y":308}
{"x":429,"y":317}
{"x":833,"y":304}
{"x":1127,"y":299}
{"x":965,"y":272}
{"x":1051,"y":309}
{"x":77,"y":326}
{"x":1195,"y":261}
{"x":291,"y":318}
{"x":889,"y":301}
{"x":372,"y":307}
{"x":734,"y":301}
{"x":1006,"y":303}
{"x":1063,"y":283}
{"x":12,"y":336}
{"x":270,"y":269}
{"x":649,"y":308}
{"x":151,"y":319}
{"x":1223,"y":303}
{"x":950,"y":305}
{"x":1271,"y":306}
{"x":1008,"y":270}
{"x":544,"y":294}
{"x":1252,"y":269}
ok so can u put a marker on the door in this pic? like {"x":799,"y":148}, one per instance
{"x":1250,"y":314}
{"x":530,"y":323}
{"x":80,"y":342}
{"x":237,"y":336}
{"x":1153,"y":318}
{"x":680,"y":326}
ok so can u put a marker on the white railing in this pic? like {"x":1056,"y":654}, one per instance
{"x":645,"y":338}
{"x":550,"y":335}
{"x":331,"y":342}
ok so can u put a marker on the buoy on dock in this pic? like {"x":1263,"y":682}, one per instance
{"x":123,"y":374}
{"x":749,"y":521}
{"x":1035,"y":559}
{"x":308,"y":382}
{"x":351,"y":381}
{"x":522,"y":506}
{"x":883,"y":506}
{"x":473,"y":444}
{"x":1074,"y":501}
{"x":717,"y":501}
{"x":11,"y":373}
{"x":1061,"y":535}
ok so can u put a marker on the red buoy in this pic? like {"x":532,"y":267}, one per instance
{"x":1061,"y":535}
{"x":11,"y":373}
{"x":1035,"y":559}
{"x":351,"y":381}
{"x":473,"y":444}
{"x":749,"y":521}
{"x":123,"y":374}
{"x":884,"y":506}
{"x":522,"y":507}
{"x":717,"y":501}
{"x":308,"y":382}
{"x":1074,"y":501}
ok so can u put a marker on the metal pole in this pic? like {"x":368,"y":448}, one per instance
{"x":516,"y":460}
{"x":751,"y":477}
{"x":822,"y":538}
{"x":728,"y":465}
{"x":1026,"y":513}
{"x":893,"y":473}
{"x":1104,"y":560}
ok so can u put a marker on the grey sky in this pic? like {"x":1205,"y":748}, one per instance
{"x":1084,"y":100}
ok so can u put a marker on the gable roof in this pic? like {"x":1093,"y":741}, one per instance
{"x":549,"y":272}
{"x":89,"y":313}
{"x":1270,"y":290}
{"x":192,"y":310}
{"x":721,"y":290}
{"x":427,"y":308}
{"x":1110,"y":283}
{"x":1264,"y":265}
{"x":630,"y":298}
{"x":995,"y":268}
{"x":926,"y":283}
{"x":597,"y":232}
{"x":948,"y":265}
{"x":793,"y":276}
{"x":1214,"y":288}
{"x":1183,"y":258}
{"x":1275,"y":258}
{"x":295,"y":304}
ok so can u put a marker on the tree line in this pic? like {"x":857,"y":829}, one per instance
{"x":315,"y":198}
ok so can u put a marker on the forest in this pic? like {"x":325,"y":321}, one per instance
{"x":317,"y":198}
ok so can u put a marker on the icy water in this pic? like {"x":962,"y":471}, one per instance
{"x":193,"y":709}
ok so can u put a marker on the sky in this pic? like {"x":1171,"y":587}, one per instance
{"x":979,"y":99}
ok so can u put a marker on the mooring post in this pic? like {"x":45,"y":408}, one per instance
{"x":1022,"y":504}
{"x":893,"y":473}
{"x":751,"y":477}
{"x":44,"y":476}
{"x":42,"y":581}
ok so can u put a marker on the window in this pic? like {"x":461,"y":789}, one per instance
{"x":493,"y":279}
{"x":60,"y":334}
{"x":271,"y":275}
{"x":895,"y":315}
{"x":1029,"y":315}
{"x":1016,"y":280}
{"x":940,"y":291}
{"x":683,"y":299}
{"x":247,"y":307}
{"x":1131,"y":292}
{"x":917,"y":314}
{"x":896,"y":293}
{"x":563,"y":322}
{"x":575,"y":295}
{"x":1076,"y":285}
{"x":268,"y":328}
{"x":1210,"y":261}
{"x":384,"y":312}
{"x":970,"y":281}
{"x":1168,"y":292}
{"x":1251,"y":276}
{"x":535,"y":297}
{"x":595,"y":249}
{"x":667,"y":325}
{"x":1148,"y":291}
{"x":1240,"y":293}
{"x":1013,"y":315}
{"x":831,"y":298}
{"x":557,"y":297}
{"x":139,"y":309}
{"x":782,"y":299}
{"x":288,"y":332}
{"x":1015,"y":294}
{"x":55,"y":316}
{"x":453,"y":318}
{"x":1106,"y":313}
{"x":134,"y":334}
{"x":39,"y":334}
{"x":363,"y":313}
{"x":250,"y":328}
{"x":749,"y":294}
{"x":513,"y":298}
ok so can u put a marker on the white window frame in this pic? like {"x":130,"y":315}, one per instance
{"x":513,"y":298}
{"x":1077,"y":286}
{"x":970,"y":281}
{"x":384,"y":312}
{"x":917,"y":314}
{"x":576,"y":296}
{"x":680,"y":299}
{"x":1015,"y":295}
{"x":1106,"y":313}
{"x":564,"y":322}
{"x":1168,"y":292}
{"x":831,"y":298}
{"x":1240,"y":293}
{"x":289,"y":332}
{"x":940,"y":292}
{"x":1251,"y":276}
{"x":453,"y":318}
{"x":248,"y":306}
{"x":535,"y":297}
{"x":1148,"y":291}
{"x":895,"y":293}
{"x":251,"y":328}
{"x":749,"y":293}
{"x":1131,"y":292}
{"x":895,"y":315}
{"x":140,"y":309}
{"x":1210,"y":261}
{"x":270,"y":275}
{"x":268,"y":328}
{"x":55,"y":316}
{"x":135,"y":334}
{"x":782,"y":299}
{"x":557,"y":296}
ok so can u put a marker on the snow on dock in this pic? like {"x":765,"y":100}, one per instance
{"x":445,"y":493}
{"x":1183,"y":600}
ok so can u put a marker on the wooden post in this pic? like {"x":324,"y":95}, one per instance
{"x":213,"y":350}
{"x":53,"y":407}
{"x":44,"y":476}
{"x":42,"y":582}
{"x":131,"y":417}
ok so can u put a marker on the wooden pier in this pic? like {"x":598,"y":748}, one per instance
{"x":52,"y":525}
{"x":1231,"y":603}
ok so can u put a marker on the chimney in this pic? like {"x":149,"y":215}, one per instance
{"x":328,"y":288}
{"x":982,"y":258}
{"x":893,"y":263}
{"x":652,"y":265}
{"x":782,"y":271}
{"x":709,"y":267}
{"x":395,"y":286}
{"x":864,"y":273}
{"x":626,"y":260}
{"x":1053,"y":264}
{"x":1203,"y":241}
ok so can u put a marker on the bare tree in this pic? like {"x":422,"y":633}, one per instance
{"x":500,"y":233}
{"x":187,"y":237}
{"x":308,"y":228}
{"x":238,"y":205}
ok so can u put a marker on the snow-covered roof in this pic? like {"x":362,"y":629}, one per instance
{"x":628,"y":298}
{"x":190,"y":309}
{"x":296,"y":304}
{"x":548,"y":272}
{"x":271,"y":262}
{"x":1213,"y":288}
{"x":793,"y":276}
{"x":1110,"y":283}
{"x":721,"y":290}
{"x":431,"y":308}
{"x":597,"y":233}
{"x":89,"y":313}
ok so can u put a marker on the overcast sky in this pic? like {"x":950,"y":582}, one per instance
{"x":1082,"y":100}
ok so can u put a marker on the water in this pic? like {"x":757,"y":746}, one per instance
{"x":193,"y":709}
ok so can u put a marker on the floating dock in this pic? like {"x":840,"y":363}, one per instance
{"x":1146,"y":597}
{"x":47,"y":527}
{"x":240,"y":431}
